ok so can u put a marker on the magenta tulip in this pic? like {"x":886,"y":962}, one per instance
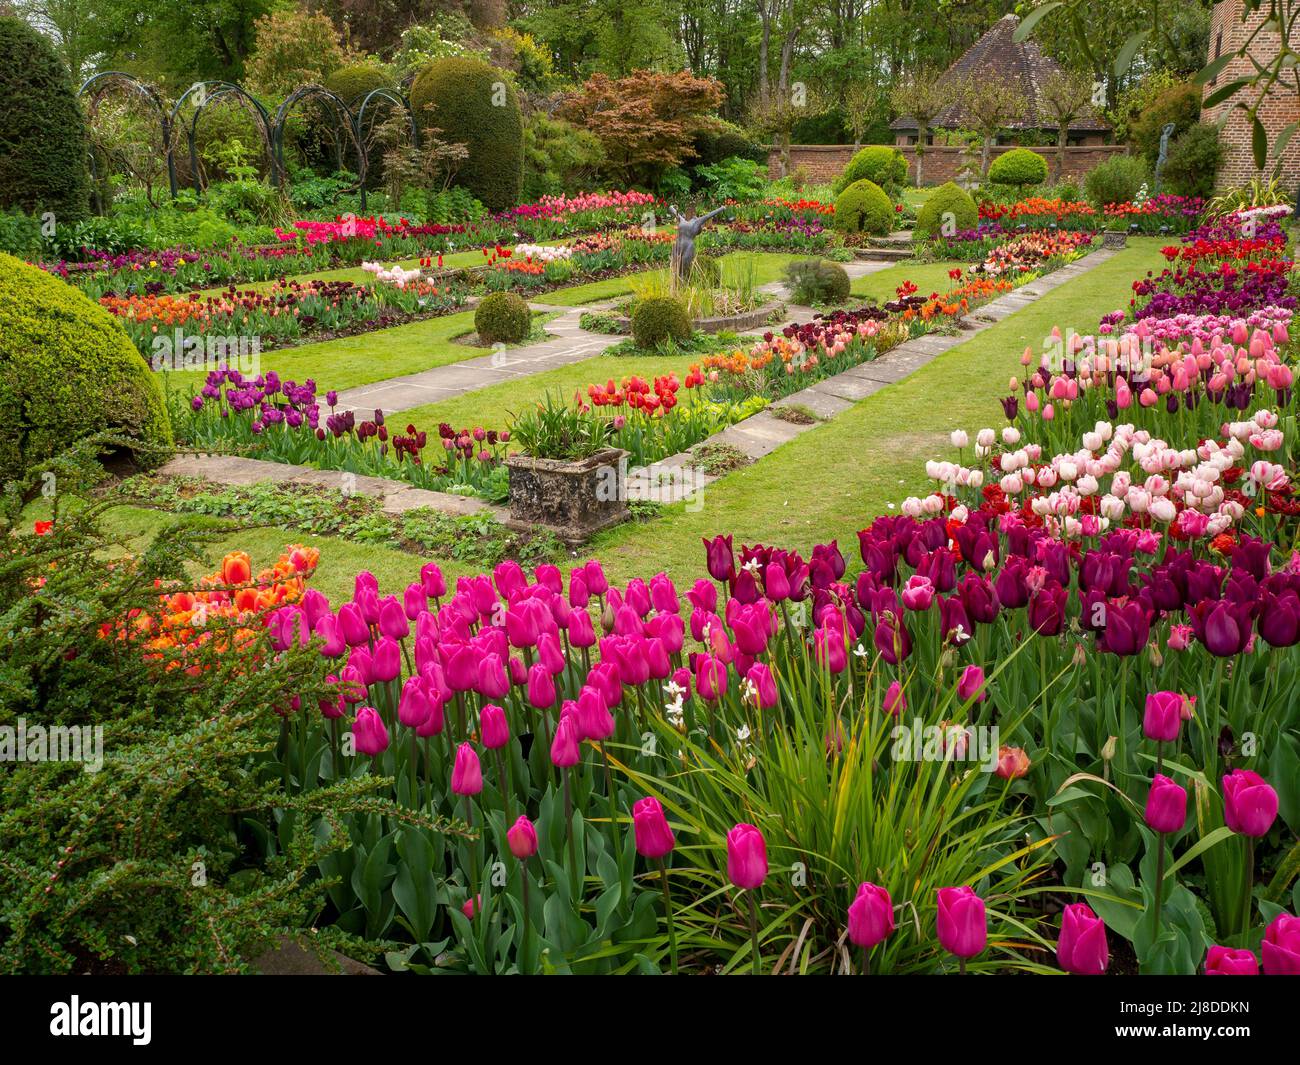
{"x":369,"y":733}
{"x":1163,"y":717}
{"x":970,"y":685}
{"x":1166,"y":809}
{"x":1082,"y":946}
{"x":653,"y":837}
{"x":871,"y":916}
{"x":466,"y":774}
{"x":564,"y":748}
{"x":1249,"y":803}
{"x":1230,"y":961}
{"x":961,"y":922}
{"x":494,"y":729}
{"x":1281,"y":947}
{"x":746,"y":857}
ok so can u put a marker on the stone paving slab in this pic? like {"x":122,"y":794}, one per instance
{"x":230,"y":469}
{"x":853,"y":389}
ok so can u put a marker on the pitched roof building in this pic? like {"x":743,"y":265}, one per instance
{"x":998,"y":53}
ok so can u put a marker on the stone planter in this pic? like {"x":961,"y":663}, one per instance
{"x":1114,"y":239}
{"x":574,"y":500}
{"x":732,"y":323}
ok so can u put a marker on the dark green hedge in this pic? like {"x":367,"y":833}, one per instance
{"x":43,"y":137}
{"x":460,"y":97}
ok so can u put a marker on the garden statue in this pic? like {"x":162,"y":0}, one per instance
{"x":1164,"y":152}
{"x":684,"y":247}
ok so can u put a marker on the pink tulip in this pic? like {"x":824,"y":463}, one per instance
{"x":1166,"y":808}
{"x":895,"y":700}
{"x":961,"y":922}
{"x":369,"y":733}
{"x":494,"y":728}
{"x":521,"y":838}
{"x":970,"y":685}
{"x":654,"y":838}
{"x":746,"y":857}
{"x":1163,"y":716}
{"x":1249,"y":803}
{"x":1082,"y":946}
{"x":564,"y":748}
{"x":466,"y":774}
{"x":1228,"y":961}
{"x":871,"y":916}
{"x":1281,"y":947}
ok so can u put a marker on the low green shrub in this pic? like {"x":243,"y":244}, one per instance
{"x":658,"y":319}
{"x":863,"y":207}
{"x":817,"y":281}
{"x":503,"y":318}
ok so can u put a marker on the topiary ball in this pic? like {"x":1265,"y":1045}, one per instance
{"x":67,"y":370}
{"x":659,"y":319}
{"x":472,"y":103}
{"x":864,"y":208}
{"x":503,"y":318}
{"x":884,"y":165}
{"x":1019,"y":167}
{"x":949,"y":205}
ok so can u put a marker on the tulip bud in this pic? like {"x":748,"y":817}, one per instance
{"x":466,"y":774}
{"x":746,"y":857}
{"x":650,"y":827}
{"x":1082,"y":946}
{"x":871,"y":916}
{"x":521,"y":838}
{"x":961,"y":923}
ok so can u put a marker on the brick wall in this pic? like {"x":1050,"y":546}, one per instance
{"x":1227,"y":34}
{"x":822,"y":162}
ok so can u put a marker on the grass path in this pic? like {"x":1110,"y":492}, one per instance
{"x":830,"y":481}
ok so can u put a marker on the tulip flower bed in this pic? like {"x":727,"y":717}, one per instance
{"x":287,"y":312}
{"x":281,"y":421}
{"x":1163,"y":214}
{"x":1040,"y":252}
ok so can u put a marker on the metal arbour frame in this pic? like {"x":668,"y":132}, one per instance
{"x":352,"y":124}
{"x":382,"y":95}
{"x":97,"y":84}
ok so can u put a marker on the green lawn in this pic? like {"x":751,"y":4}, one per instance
{"x":832,"y":480}
{"x":359,"y":360}
{"x":493,"y":407}
{"x":882,"y":285}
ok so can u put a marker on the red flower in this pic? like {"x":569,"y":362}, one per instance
{"x":44,"y":528}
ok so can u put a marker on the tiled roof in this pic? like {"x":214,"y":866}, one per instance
{"x":998,"y":52}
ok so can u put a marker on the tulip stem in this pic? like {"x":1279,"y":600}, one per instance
{"x":961,"y":966}
{"x":523,"y":879}
{"x":668,"y":911}
{"x":473,"y":861}
{"x":753,"y":932}
{"x":1160,"y":876}
{"x":568,"y":829}
{"x":1250,"y":888}
{"x":501,"y":783}
{"x":609,"y":793}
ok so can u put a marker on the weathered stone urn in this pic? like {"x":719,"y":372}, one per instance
{"x":1114,"y":238}
{"x":574,"y":500}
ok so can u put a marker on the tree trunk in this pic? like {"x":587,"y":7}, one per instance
{"x":1062,"y":135}
{"x":985,"y":150}
{"x":922,"y":128}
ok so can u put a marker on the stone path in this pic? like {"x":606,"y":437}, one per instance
{"x":569,"y":343}
{"x":762,"y":433}
{"x":676,"y":477}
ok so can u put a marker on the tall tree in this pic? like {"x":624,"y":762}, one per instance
{"x":921,"y":95}
{"x":1065,"y":96}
